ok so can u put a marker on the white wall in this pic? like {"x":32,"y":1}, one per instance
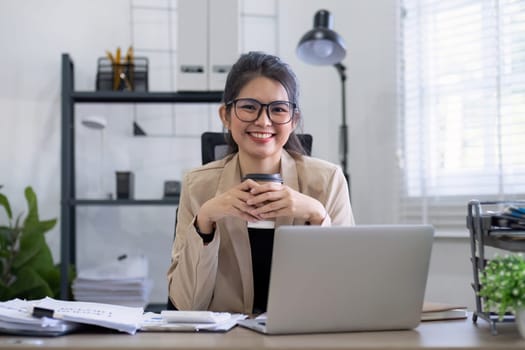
{"x":34,"y":34}
{"x":370,"y":29}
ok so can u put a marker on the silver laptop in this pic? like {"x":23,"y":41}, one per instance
{"x":340,"y":279}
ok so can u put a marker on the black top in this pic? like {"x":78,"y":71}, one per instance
{"x":261,"y":245}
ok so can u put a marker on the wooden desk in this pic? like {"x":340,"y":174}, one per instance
{"x":461,"y":334}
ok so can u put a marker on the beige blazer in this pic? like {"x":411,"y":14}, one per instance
{"x":218,"y":276}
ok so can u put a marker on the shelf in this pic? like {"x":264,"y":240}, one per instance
{"x":171,"y":201}
{"x":146,"y":97}
{"x":69,"y":203}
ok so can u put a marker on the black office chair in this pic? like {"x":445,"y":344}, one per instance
{"x":214,"y":146}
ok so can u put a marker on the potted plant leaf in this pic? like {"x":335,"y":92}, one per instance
{"x":503,"y":287}
{"x":27,"y":270}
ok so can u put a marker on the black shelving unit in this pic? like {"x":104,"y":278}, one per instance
{"x":484,"y":234}
{"x":69,"y":202}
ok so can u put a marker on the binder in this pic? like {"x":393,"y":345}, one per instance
{"x":223,"y":41}
{"x":207,"y":43}
{"x":192,"y":38}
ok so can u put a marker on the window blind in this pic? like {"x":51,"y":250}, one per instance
{"x":462,"y":110}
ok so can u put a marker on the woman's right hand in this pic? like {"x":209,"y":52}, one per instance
{"x":229,"y":203}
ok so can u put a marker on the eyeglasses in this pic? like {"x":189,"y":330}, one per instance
{"x":249,"y":110}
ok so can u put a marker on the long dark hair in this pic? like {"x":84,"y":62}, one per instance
{"x":255,"y":64}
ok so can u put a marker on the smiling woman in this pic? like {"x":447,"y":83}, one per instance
{"x":219,"y":262}
{"x":258,"y":131}
{"x":276,"y":82}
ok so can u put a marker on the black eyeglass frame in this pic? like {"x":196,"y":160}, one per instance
{"x":263,"y":105}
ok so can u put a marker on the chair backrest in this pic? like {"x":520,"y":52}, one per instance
{"x":214,"y":146}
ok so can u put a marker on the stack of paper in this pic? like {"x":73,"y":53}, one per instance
{"x":15,"y":318}
{"x":122,"y":318}
{"x":123,"y":281}
{"x":51,"y":317}
{"x":56,"y":317}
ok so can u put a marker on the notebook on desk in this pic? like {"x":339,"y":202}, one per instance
{"x":339,"y":279}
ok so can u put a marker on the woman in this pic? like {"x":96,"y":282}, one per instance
{"x":217,"y":262}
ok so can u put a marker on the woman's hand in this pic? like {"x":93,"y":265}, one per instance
{"x":230,"y":203}
{"x":271,"y":200}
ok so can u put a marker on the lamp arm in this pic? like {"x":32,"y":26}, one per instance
{"x":341,"y":69}
{"x":343,"y":130}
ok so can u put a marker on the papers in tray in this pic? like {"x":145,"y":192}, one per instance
{"x":189,"y":321}
{"x":66,"y":316}
{"x":438,"y":311}
{"x":508,"y":223}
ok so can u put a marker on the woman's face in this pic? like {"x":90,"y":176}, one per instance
{"x":261,"y":138}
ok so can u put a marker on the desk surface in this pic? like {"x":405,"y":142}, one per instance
{"x":462,"y":334}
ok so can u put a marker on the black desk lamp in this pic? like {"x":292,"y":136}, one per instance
{"x":322,"y":46}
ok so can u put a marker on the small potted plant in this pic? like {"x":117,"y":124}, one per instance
{"x":503,"y":287}
{"x":27,"y":270}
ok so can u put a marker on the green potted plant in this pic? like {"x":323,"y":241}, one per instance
{"x":503,"y":287}
{"x":27,"y":269}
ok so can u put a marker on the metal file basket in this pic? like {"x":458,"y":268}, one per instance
{"x":122,"y":77}
{"x":485,"y":232}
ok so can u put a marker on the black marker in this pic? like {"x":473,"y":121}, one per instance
{"x":40,"y":312}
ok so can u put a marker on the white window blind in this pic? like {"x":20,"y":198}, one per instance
{"x":462,"y":111}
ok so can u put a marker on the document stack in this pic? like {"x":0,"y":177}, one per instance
{"x":51,"y":317}
{"x":123,"y":281}
{"x":16,"y":318}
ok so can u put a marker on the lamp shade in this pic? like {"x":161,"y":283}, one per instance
{"x":321,"y":45}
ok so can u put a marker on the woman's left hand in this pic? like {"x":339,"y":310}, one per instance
{"x":273,"y":200}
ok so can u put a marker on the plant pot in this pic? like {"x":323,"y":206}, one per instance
{"x":520,"y":321}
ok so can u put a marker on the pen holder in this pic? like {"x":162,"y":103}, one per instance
{"x":132,"y":76}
